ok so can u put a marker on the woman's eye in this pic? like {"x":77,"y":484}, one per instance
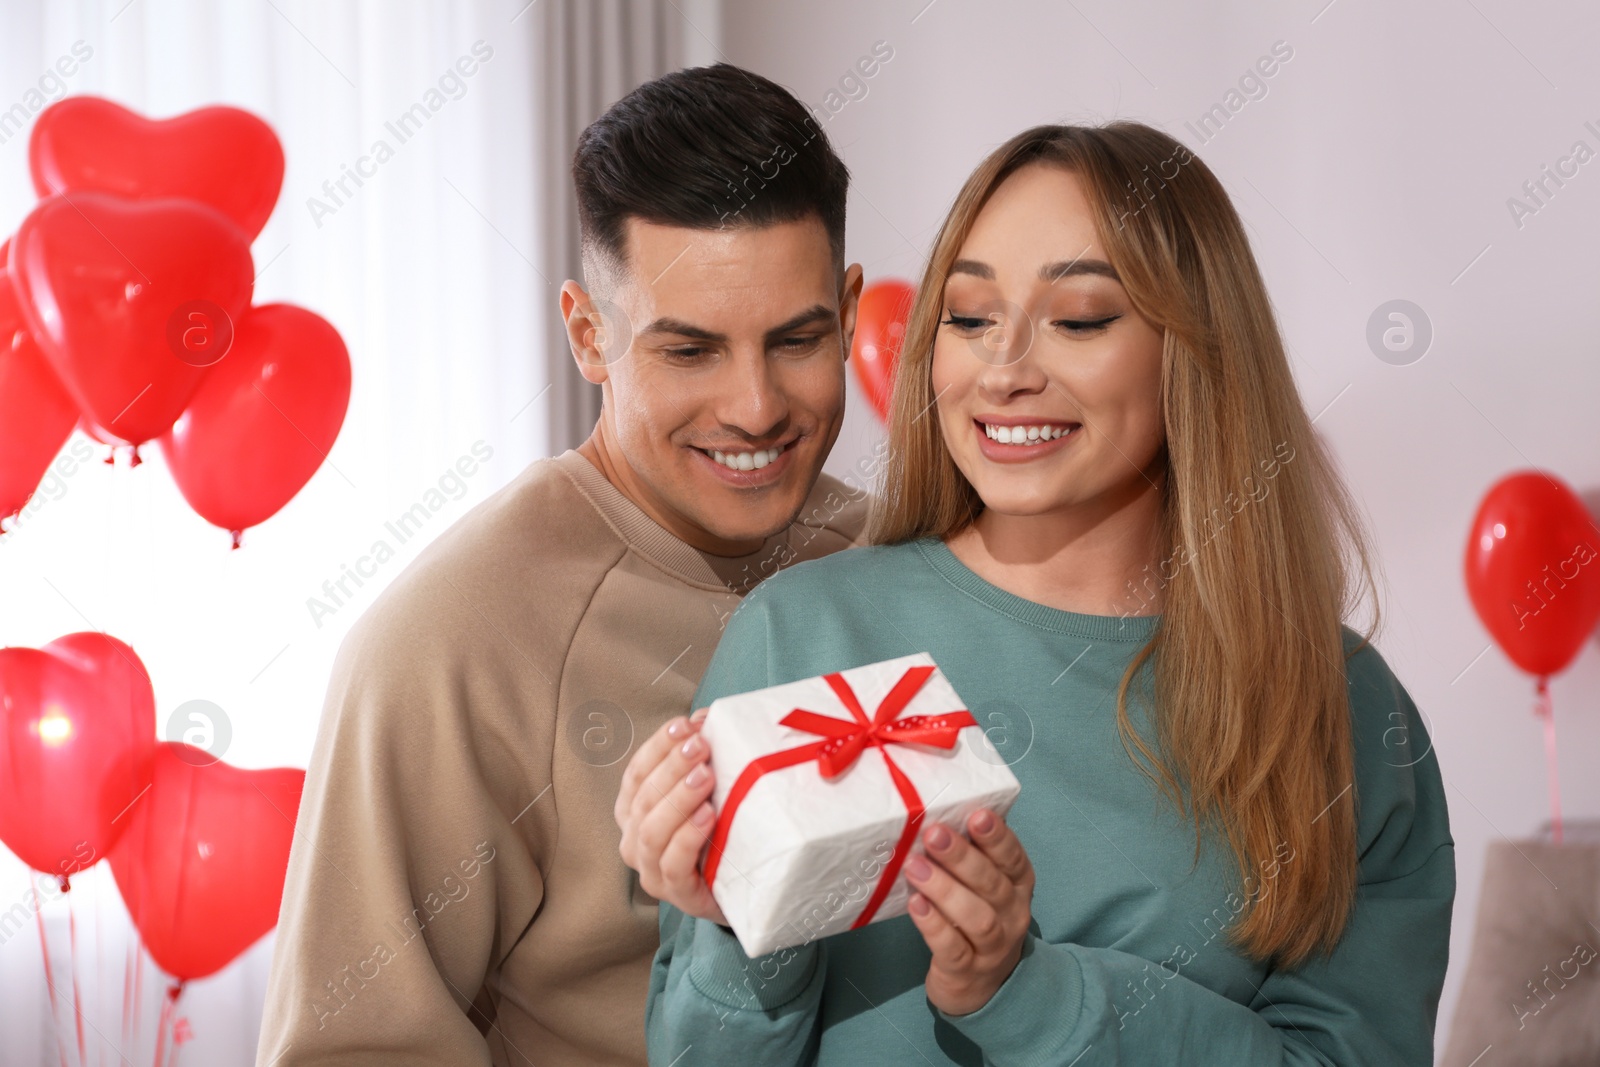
{"x":964,"y":322}
{"x":1086,"y":325}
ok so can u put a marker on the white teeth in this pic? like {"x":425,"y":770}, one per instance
{"x":747,"y":461}
{"x":1023,"y":435}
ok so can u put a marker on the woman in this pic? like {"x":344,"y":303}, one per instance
{"x":1106,"y":516}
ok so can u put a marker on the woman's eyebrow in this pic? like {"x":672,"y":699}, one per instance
{"x":1054,"y":272}
{"x":1050,"y":272}
{"x":972,"y":266}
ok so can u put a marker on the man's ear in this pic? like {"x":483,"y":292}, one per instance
{"x":849,"y":303}
{"x":577,"y":311}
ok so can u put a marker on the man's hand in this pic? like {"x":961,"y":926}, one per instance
{"x":972,"y":906}
{"x":664,"y":810}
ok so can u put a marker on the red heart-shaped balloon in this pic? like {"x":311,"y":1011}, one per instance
{"x":265,"y":418}
{"x":202,"y":866}
{"x":36,"y":412}
{"x":77,"y":731}
{"x":880,"y":330}
{"x":220,"y":156}
{"x":1533,"y":570}
{"x":109,"y":289}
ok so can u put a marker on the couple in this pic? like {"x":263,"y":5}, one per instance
{"x":1103,"y":511}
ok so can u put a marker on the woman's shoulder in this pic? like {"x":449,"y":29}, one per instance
{"x":1399,"y":788}
{"x":1384,"y":720}
{"x":1376,"y":693}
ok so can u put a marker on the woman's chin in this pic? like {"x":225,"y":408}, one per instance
{"x":1011,"y":503}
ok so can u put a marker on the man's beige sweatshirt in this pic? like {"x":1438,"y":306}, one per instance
{"x":455,"y":895}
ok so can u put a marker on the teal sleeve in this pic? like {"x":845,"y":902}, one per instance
{"x":1372,"y":1002}
{"x":706,"y":995}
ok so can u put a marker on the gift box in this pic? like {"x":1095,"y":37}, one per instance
{"x":821,"y":788}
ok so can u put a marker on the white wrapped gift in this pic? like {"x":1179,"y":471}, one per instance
{"x":821,"y":788}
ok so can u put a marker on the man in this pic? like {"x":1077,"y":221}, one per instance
{"x":455,"y":893}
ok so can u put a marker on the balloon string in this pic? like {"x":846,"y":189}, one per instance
{"x":138,"y":992}
{"x":49,"y":977}
{"x":1545,"y":709}
{"x":169,"y":1006}
{"x":127,"y":993}
{"x":99,"y":969}
{"x":72,"y":965}
{"x":161,"y":1032}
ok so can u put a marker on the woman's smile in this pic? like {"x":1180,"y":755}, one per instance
{"x":1022,"y":438}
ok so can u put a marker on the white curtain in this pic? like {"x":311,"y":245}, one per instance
{"x":440,"y":270}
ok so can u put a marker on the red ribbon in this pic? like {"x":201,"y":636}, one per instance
{"x":843,"y":741}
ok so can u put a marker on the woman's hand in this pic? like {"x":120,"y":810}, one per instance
{"x":664,"y":811}
{"x":972,"y":904}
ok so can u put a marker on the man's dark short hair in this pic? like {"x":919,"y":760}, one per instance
{"x":705,"y":148}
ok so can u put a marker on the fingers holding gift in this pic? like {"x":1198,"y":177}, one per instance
{"x":951,"y":951}
{"x":668,"y":844}
{"x":649,"y":756}
{"x":674,"y":767}
{"x":973,"y":917}
{"x":680,"y":880}
{"x":980,"y":922}
{"x":674,"y":809}
{"x":1000,"y":843}
{"x":969,"y":865}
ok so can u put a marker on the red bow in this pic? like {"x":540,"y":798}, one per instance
{"x":844,"y":741}
{"x":847,"y":740}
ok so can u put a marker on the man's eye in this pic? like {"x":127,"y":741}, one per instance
{"x":683,"y":354}
{"x":799,"y":344}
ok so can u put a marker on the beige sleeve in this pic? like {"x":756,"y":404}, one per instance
{"x":416,"y":863}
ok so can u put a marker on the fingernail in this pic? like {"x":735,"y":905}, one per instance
{"x":703,"y":815}
{"x":938,"y":837}
{"x":918,"y":905}
{"x":697,"y":777}
{"x":699,"y":714}
{"x":983,"y":822}
{"x":917,"y":869}
{"x":691,"y":747}
{"x":677,"y":728}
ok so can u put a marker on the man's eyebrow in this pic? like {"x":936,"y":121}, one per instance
{"x":682,"y":329}
{"x":812,"y":315}
{"x":1054,"y":272}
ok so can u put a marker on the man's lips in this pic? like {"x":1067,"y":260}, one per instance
{"x":746,"y":467}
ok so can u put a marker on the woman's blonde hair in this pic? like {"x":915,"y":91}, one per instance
{"x":1264,"y":553}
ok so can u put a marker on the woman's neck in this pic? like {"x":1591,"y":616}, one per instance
{"x":1094,"y":558}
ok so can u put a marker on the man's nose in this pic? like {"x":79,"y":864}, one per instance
{"x":753,"y":401}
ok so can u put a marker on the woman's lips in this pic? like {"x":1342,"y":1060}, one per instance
{"x":1001,"y":452}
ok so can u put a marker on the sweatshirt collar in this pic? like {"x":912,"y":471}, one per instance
{"x":730,"y":574}
{"x":1092,"y":627}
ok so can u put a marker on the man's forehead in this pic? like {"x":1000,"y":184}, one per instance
{"x":795,"y":249}
{"x":772,"y":273}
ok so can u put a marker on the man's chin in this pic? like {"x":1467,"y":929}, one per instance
{"x":746,"y":533}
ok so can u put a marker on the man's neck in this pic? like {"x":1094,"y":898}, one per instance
{"x":600,"y":451}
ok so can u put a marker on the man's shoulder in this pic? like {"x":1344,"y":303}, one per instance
{"x":534,"y":549}
{"x":836,"y":507}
